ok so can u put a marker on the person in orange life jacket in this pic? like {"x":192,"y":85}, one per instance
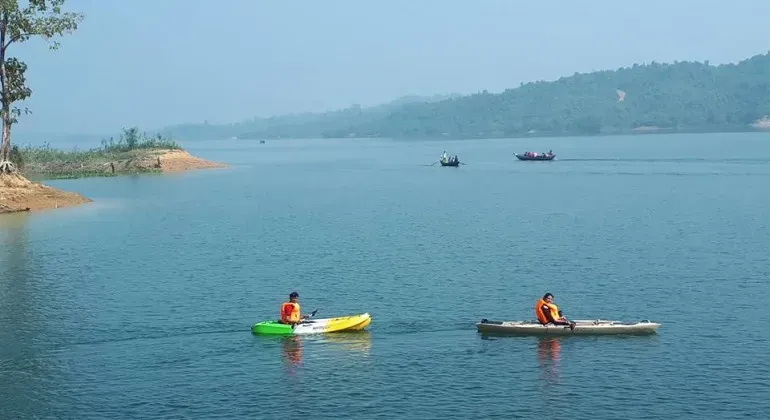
{"x":548,"y":313}
{"x":290,"y":311}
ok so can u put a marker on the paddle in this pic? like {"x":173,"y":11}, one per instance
{"x":304,"y":319}
{"x":571,"y":323}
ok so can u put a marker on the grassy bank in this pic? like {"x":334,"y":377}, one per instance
{"x":133,"y":152}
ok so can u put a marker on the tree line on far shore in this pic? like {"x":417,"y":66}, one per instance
{"x":654,"y":97}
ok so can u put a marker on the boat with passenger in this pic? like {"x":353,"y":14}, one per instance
{"x":536,"y":156}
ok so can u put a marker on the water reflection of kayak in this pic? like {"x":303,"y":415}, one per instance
{"x":349,"y":340}
{"x":314,"y":326}
{"x":582,"y":327}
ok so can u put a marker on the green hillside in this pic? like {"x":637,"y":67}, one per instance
{"x":683,"y":96}
{"x":305,"y":125}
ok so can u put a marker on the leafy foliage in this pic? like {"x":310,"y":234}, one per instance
{"x":17,"y":157}
{"x":133,"y":152}
{"x":18,"y":23}
{"x":131,"y":139}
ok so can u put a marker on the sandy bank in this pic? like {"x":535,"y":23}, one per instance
{"x":20,"y":194}
{"x":99,"y":163}
{"x":181,"y":160}
{"x":17,"y":193}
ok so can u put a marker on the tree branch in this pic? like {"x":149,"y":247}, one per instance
{"x":18,"y":37}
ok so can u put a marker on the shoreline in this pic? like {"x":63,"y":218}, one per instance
{"x":54,"y":164}
{"x":761,"y":126}
{"x":20,"y":194}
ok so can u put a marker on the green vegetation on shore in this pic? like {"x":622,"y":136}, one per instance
{"x":678,"y":97}
{"x":133,"y":152}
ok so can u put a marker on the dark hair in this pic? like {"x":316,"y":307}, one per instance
{"x":546,"y":296}
{"x":293,"y":294}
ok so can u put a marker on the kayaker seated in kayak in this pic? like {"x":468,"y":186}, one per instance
{"x":548,"y":313}
{"x":290,"y":311}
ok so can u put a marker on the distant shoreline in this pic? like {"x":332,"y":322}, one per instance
{"x":640,"y":131}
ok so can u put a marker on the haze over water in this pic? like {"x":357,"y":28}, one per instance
{"x":139,"y":304}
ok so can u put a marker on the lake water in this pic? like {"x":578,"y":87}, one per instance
{"x":139,"y":305}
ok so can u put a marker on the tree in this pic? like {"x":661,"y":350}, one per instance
{"x":21,"y":20}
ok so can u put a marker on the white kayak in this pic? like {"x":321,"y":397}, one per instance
{"x":582,"y":327}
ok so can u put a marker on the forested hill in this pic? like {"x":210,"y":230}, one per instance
{"x":683,"y":96}
{"x":306,"y":125}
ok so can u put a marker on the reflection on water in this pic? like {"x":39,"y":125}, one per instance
{"x":9,"y":223}
{"x":292,"y":353}
{"x":17,"y":289}
{"x":292,"y":350}
{"x":548,"y":354}
{"x":358,"y":341}
{"x":22,"y":320}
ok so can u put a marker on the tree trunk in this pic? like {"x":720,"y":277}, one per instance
{"x":6,"y":167}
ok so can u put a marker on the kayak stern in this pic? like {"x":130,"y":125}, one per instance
{"x":271,"y":328}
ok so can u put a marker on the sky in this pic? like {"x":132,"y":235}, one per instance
{"x":153,"y":63}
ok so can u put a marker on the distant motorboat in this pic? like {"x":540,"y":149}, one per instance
{"x":535,"y":156}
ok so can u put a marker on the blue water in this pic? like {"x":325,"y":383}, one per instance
{"x":139,"y":304}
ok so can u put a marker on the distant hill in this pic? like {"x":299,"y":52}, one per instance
{"x":305,"y":125}
{"x":683,"y":96}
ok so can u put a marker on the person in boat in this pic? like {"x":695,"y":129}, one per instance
{"x":444,"y":157}
{"x":548,"y":313}
{"x":455,"y":159}
{"x":290,"y":311}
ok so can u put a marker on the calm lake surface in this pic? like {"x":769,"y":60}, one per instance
{"x":139,"y":305}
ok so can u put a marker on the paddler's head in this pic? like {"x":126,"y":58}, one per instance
{"x":548,"y":297}
{"x":293,"y":296}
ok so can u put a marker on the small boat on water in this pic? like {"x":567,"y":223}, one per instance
{"x":314,"y":326}
{"x":450,"y":162}
{"x":447,"y":160}
{"x":582,"y":327}
{"x":535,"y":156}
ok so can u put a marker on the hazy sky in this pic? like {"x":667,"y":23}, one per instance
{"x":158,"y":62}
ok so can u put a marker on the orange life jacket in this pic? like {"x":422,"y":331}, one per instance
{"x":541,"y":316}
{"x":290,"y":312}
